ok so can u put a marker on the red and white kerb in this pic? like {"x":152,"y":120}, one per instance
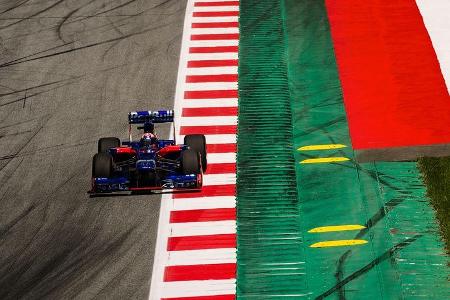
{"x":196,"y":248}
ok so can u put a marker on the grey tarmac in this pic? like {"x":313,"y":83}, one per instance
{"x":70,"y":70}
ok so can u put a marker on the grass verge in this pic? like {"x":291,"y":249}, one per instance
{"x":436,"y":173}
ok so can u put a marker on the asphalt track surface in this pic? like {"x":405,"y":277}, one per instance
{"x":70,"y":70}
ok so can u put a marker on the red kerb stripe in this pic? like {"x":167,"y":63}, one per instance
{"x":221,"y":168}
{"x":200,"y":272}
{"x":218,"y":49}
{"x":215,"y":297}
{"x":209,"y":111}
{"x":215,"y":25}
{"x":216,"y":14}
{"x":217,"y":129}
{"x":211,"y":94}
{"x":212,"y":63}
{"x":214,"y":36}
{"x":201,"y":242}
{"x":221,"y":148}
{"x":209,"y":191}
{"x":203,"y":215}
{"x":217,"y":3}
{"x":212,"y":78}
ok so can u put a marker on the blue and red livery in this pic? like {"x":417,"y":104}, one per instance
{"x":150,"y":163}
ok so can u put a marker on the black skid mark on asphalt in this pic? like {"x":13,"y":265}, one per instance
{"x":26,"y":97}
{"x":386,"y":255}
{"x":83,"y":18}
{"x":74,"y":261}
{"x":34,"y":15}
{"x":64,"y":20}
{"x":50,"y":148}
{"x":14,"y":7}
{"x":20,"y":60}
{"x":36,"y":53}
{"x":27,"y":141}
{"x":18,"y":123}
{"x":170,"y":44}
{"x":10,"y":225}
{"x":163,"y":3}
{"x":116,"y":28}
{"x":33,"y":87}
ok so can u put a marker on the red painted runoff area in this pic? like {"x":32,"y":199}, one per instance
{"x":200,"y":272}
{"x":394,"y":91}
{"x":181,"y":243}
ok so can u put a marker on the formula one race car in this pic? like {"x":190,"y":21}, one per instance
{"x":149,"y":163}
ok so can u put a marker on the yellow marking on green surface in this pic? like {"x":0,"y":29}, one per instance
{"x":336,"y":228}
{"x":338,"y":243}
{"x":321,"y":147}
{"x":322,"y":160}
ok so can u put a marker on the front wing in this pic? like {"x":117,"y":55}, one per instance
{"x":123,"y":184}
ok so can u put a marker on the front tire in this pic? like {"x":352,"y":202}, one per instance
{"x":104,"y":144}
{"x":190,"y":162}
{"x":102,"y":165}
{"x":197,"y":142}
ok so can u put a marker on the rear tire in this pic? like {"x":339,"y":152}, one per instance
{"x":106,"y":143}
{"x":102,"y":165}
{"x":197,"y":142}
{"x":190,"y":162}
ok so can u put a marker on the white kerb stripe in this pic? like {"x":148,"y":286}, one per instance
{"x":205,"y":121}
{"x":219,"y":179}
{"x":202,"y":228}
{"x":216,"y":8}
{"x":213,"y":43}
{"x":208,"y":86}
{"x":202,"y":257}
{"x":221,"y":158}
{"x":226,"y":102}
{"x":212,"y":71}
{"x":213,"y":56}
{"x":216,"y":138}
{"x":204,"y":203}
{"x":214,"y":19}
{"x":436,"y":17}
{"x":214,"y":30}
{"x":198,"y":288}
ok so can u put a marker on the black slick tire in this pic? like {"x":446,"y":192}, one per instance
{"x":102,"y":165}
{"x":106,"y":143}
{"x":190,"y":162}
{"x":197,"y":142}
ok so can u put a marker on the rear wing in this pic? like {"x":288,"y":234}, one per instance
{"x":149,"y":117}
{"x":156,"y":116}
